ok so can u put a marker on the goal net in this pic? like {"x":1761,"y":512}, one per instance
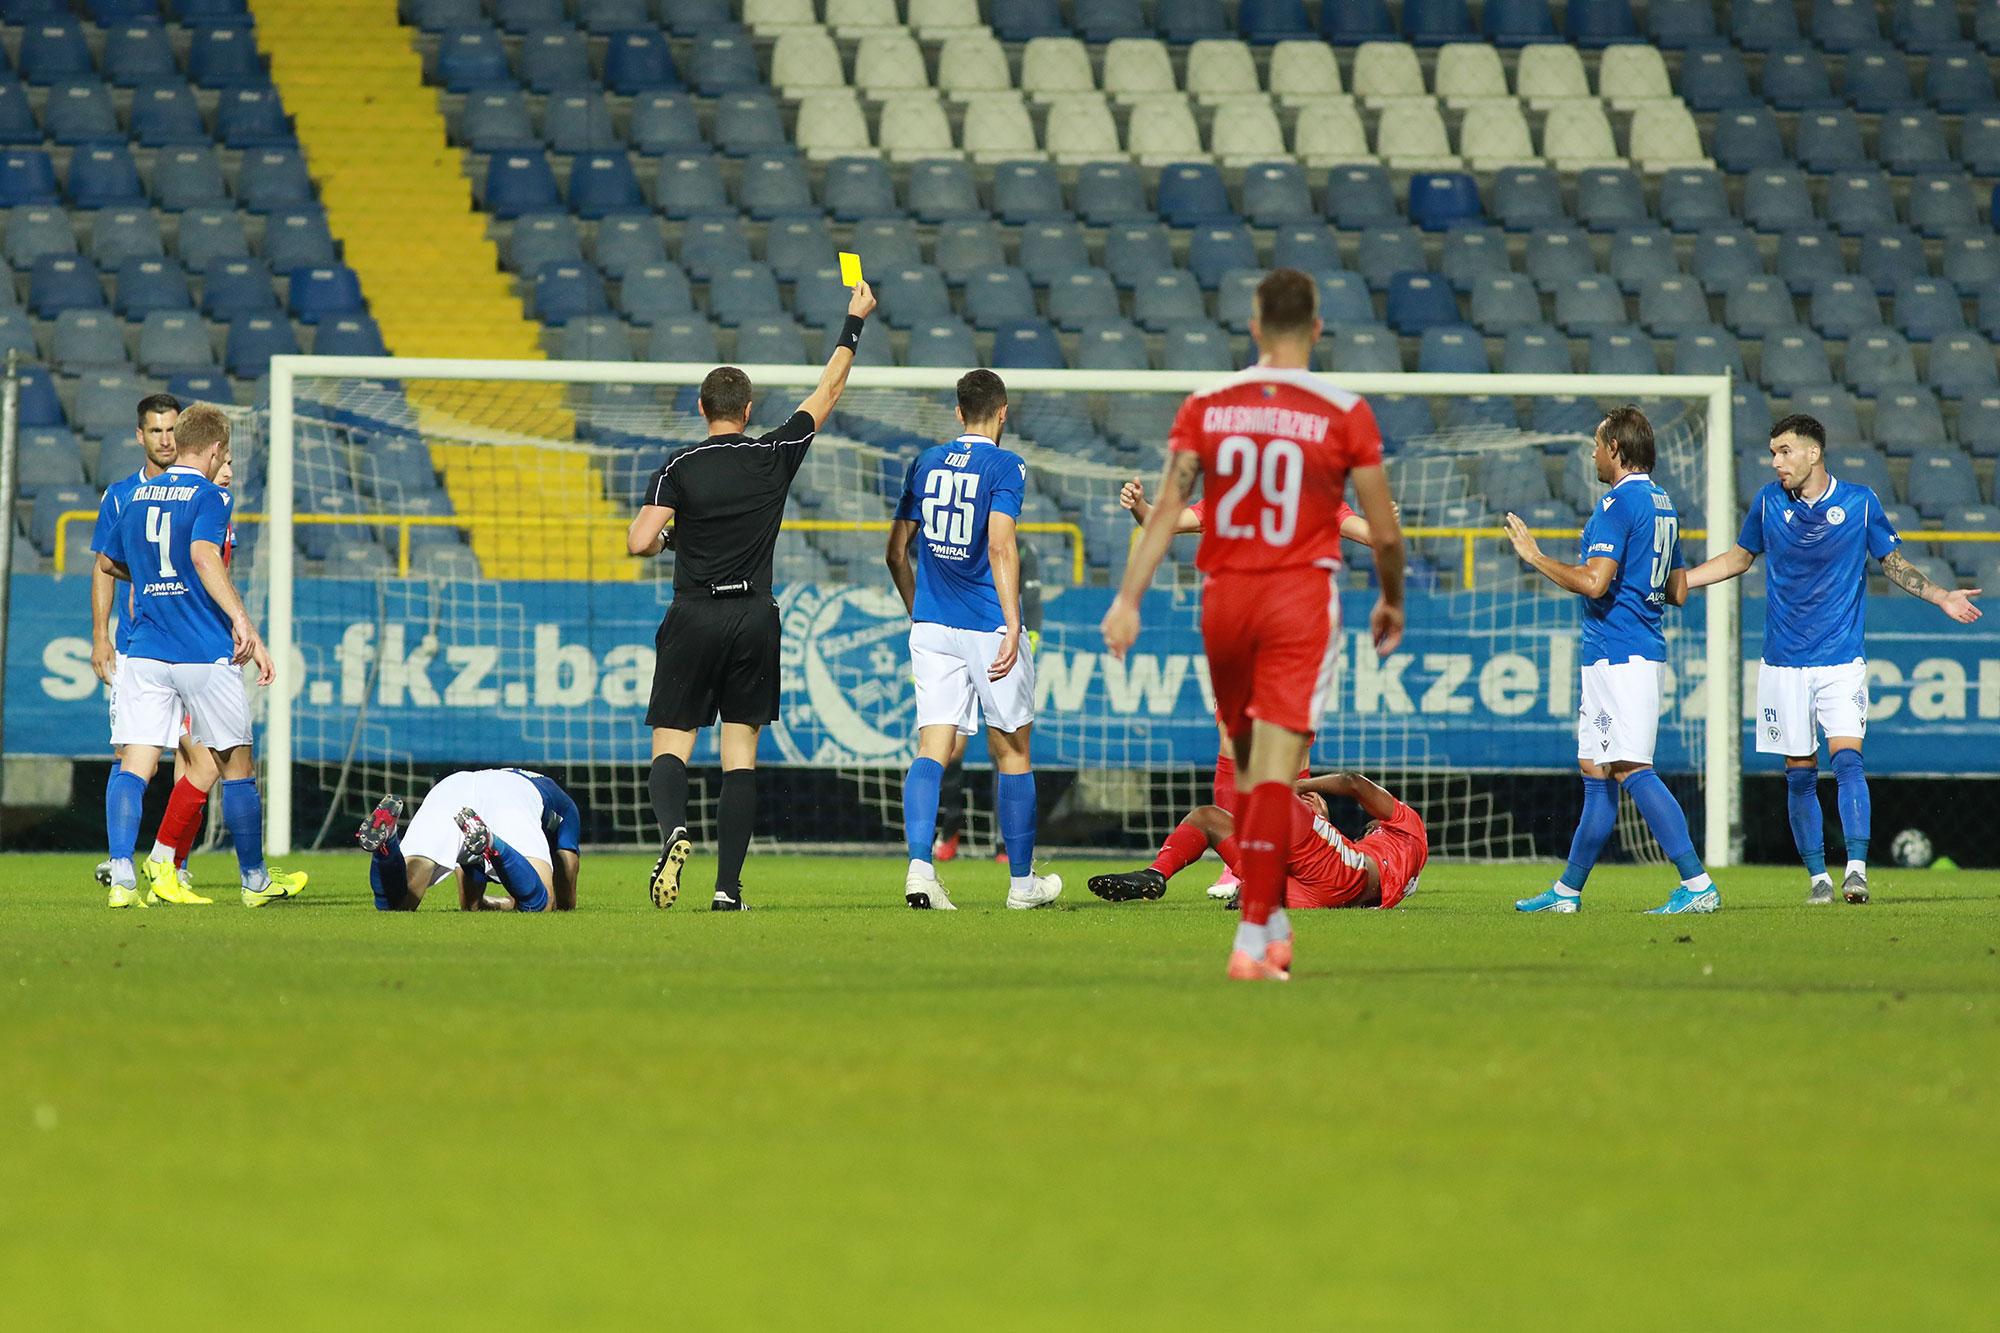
{"x":439,"y":550}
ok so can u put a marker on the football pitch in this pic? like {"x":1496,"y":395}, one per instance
{"x":834,"y":1112}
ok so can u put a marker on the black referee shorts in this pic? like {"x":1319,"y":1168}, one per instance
{"x":716,"y":656}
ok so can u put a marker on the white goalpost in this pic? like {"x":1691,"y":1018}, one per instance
{"x":441,"y":578}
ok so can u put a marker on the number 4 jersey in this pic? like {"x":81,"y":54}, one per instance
{"x":1275,"y":448}
{"x":950,"y":492}
{"x":1634,"y":524}
{"x":173,"y":617}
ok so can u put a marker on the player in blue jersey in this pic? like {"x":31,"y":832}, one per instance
{"x":1820,"y":533}
{"x":1631,"y":571}
{"x":953,"y":557}
{"x":190,"y":633}
{"x":506,"y":826}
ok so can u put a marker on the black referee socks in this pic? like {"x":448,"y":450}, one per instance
{"x":733,"y":820}
{"x":667,"y":784}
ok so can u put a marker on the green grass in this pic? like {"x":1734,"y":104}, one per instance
{"x":833,"y":1112}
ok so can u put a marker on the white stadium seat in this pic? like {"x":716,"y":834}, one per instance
{"x":1303,"y":70}
{"x":1550,"y":74}
{"x":890,"y":62}
{"x":1055,"y":67}
{"x":934,"y":19}
{"x":832,"y":124}
{"x":1136,"y":67}
{"x":1246,"y":130}
{"x":806,"y":59}
{"x":1630,"y":75}
{"x":1469,"y":72}
{"x":913,"y":125}
{"x":973,"y":62}
{"x":1577,"y":134}
{"x":1218,"y":69}
{"x":1497,"y":136}
{"x":858,"y":18}
{"x":1161,"y":130}
{"x":1080,"y":128}
{"x":1665,"y":136}
{"x":1329,"y":133}
{"x":767,"y":16}
{"x":1410,"y":137}
{"x":1387,"y":71}
{"x":997,"y":128}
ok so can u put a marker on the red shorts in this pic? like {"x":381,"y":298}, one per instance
{"x":1400,"y":847}
{"x":1273,"y":640}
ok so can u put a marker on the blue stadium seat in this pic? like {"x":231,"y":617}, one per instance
{"x":1262,"y":22}
{"x":1359,"y":196}
{"x":518,"y":184}
{"x":1523,"y":199}
{"x":253,"y":341}
{"x":144,"y":285}
{"x":1435,"y":22}
{"x":104,"y":177}
{"x":611,"y":16}
{"x":1536,"y":349}
{"x":50,"y":459}
{"x":1859,"y":201}
{"x":1693,"y":199}
{"x":1502,"y":303}
{"x":1401,"y":419}
{"x":997,"y":297}
{"x":1196,"y":345}
{"x":601,"y":184}
{"x":329,"y":292}
{"x":771,"y":341}
{"x":232,"y":288}
{"x":51,"y":502}
{"x":562,"y":292}
{"x":1942,"y":482}
{"x":1344,"y":300}
{"x":1796,"y":79}
{"x":435,"y":16}
{"x":54,"y":50}
{"x":525,"y":16}
{"x":470,"y":60}
{"x":119,"y":234}
{"x":640,"y":61}
{"x":691,"y":339}
{"x":1640,"y":256}
{"x":941,"y":190}
{"x":691,"y":18}
{"x":1134,"y":251}
{"x":1707,"y":351}
{"x":941,"y":344}
{"x":1236,"y":299}
{"x":792,"y":246}
{"x":858,"y":187}
{"x":251,"y":118}
{"x":1879,"y":361}
{"x":1972,"y":262}
{"x":1843,"y":307}
{"x":664,"y":122}
{"x":1363,"y":350}
{"x":1714,"y":79}
{"x":711,"y":245}
{"x":1112,"y":344}
{"x":175,"y":342}
{"x":1027,"y":192}
{"x":81,"y":112}
{"x":1306,"y":246}
{"x":1472,"y":253}
{"x":1829,"y":140}
{"x":1961,"y":365}
{"x":910,"y":296}
{"x":1383,"y":252}
{"x":1889,"y":256}
{"x":1588,"y":304}
{"x":1979,"y":425}
{"x":1764,"y":25}
{"x":188,"y":178}
{"x":1776,"y":199}
{"x":1167,"y":298}
{"x":85,"y":339}
{"x":650,"y":293}
{"x":1215,"y":250}
{"x":273,"y":180}
{"x":1909,"y":142}
{"x":554,"y":62}
{"x":137,"y":54}
{"x":497,"y":120}
{"x":1676,"y":25}
{"x":1184,"y":21}
{"x":167,"y":116}
{"x":1846,"y":25}
{"x":1806,"y":256}
{"x":1794,"y":359}
{"x":748,"y":122}
{"x":1191,"y":194}
{"x":1854,"y":462}
{"x":1418,"y":302}
{"x":1747,"y":139}
{"x":1878,"y":81}
{"x":17,"y":117}
{"x":220,"y":57}
{"x":1927,"y":309}
{"x":689,"y":187}
{"x":579,"y":122}
{"x":1352,"y":22}
{"x":1441,"y":200}
{"x":1595,"y":24}
{"x":1923,"y":26}
{"x":1672,"y":305}
{"x":888,"y":241}
{"x":1959,"y":82}
{"x":34,"y":232}
{"x":1275,"y":194}
{"x":1624,"y":351}
{"x":1108,"y":20}
{"x":1051,"y":249}
{"x":63,"y":282}
{"x":1107,"y":193}
{"x":1907,"y":421}
{"x":209,"y":234}
{"x":547,"y":238}
{"x":1512,"y":23}
{"x":1028,"y":344}
{"x":1610,"y":198}
{"x":1557,"y":255}
{"x":1453,"y":349}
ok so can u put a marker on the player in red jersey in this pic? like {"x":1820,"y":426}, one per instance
{"x":1273,"y":448}
{"x":1379,"y":869}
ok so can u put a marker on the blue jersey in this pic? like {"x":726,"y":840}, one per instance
{"x":559,"y":816}
{"x":173,"y":618}
{"x":1816,"y":585}
{"x":950,"y":491}
{"x":1634,"y":524}
{"x":116,"y":496}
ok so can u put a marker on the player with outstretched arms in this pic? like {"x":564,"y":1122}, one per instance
{"x":507,"y":826}
{"x":1820,"y":532}
{"x":1631,"y":571}
{"x":953,"y":556}
{"x":1272,"y":448}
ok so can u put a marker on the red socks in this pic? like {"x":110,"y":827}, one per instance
{"x":1225,"y":780}
{"x":1264,"y":833}
{"x":1182,"y":849}
{"x":182,"y":819}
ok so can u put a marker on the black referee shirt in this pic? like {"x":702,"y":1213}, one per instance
{"x":728,"y":497}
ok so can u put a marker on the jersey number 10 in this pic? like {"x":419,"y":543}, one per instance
{"x":1278,"y":471}
{"x":948,"y":507}
{"x":160,"y":532}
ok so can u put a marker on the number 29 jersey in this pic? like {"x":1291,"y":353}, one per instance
{"x":950,"y":492}
{"x":1275,"y":448}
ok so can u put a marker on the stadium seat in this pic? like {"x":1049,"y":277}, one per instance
{"x":748,"y":123}
{"x":209,"y":234}
{"x":1610,"y":199}
{"x":1843,"y":307}
{"x":1344,"y":301}
{"x":1502,"y":303}
{"x":1828,"y":141}
{"x":886,"y":63}
{"x":689,"y":187}
{"x":1808,"y":256}
{"x":27,"y":176}
{"x":713,"y":244}
{"x":913,"y":127}
{"x":1220,"y":69}
{"x":253,"y":341}
{"x":1927,"y":309}
{"x":1442,"y":200}
{"x":1878,"y":81}
{"x":1112,"y":345}
{"x":1641,"y":255}
{"x":555,"y":62}
{"x":1363,"y":350}
{"x":104,"y":177}
{"x":745,"y":292}
{"x":1055,"y":66}
{"x":1511,"y":23}
{"x":683,"y":340}
{"x":1167,"y":298}
{"x":941,"y":191}
{"x":1028,"y":191}
{"x":1263,"y":22}
{"x":549,"y":238}
{"x":84,"y":339}
{"x":1664,"y":136}
{"x":1940,"y":206}
{"x":1555,"y":256}
{"x":1942,"y":482}
{"x":1437,"y":22}
{"x":579,"y":122}
{"x":1672,"y":305}
{"x":1910,"y":142}
{"x":1776,"y":198}
{"x":1236,"y":299}
{"x":793,"y":247}
{"x":1747,"y":139}
{"x":941,"y":344}
{"x":1545,"y":76}
{"x":1971,"y":262}
{"x":772,"y":187}
{"x":889,"y":242}
{"x":1889,"y":256}
{"x":1191,"y":194}
{"x":232,"y":288}
{"x":664,"y":122}
{"x":251,"y":118}
{"x":1453,"y":349}
{"x":272,"y":180}
{"x":518,"y":184}
{"x":1079,"y":129}
{"x":1245,"y":130}
{"x":1879,"y":361}
{"x":639,"y":61}
{"x":1961,"y":365}
{"x":651,"y":293}
{"x":1051,"y":250}
{"x":1410,"y":135}
{"x":224,"y":57}
{"x":1308,"y":247}
{"x":1535,"y":349}
{"x":1134,"y":251}
{"x":1494,"y":136}
{"x":973,"y":62}
{"x":63,"y":282}
{"x":1793,"y":359}
{"x":1028,"y":344}
{"x":53,"y":50}
{"x":601,"y":184}
{"x":1714,"y":79}
{"x":1526,"y":199}
{"x":1472,"y":253}
{"x":1588,"y":304}
{"x":1387,"y":72}
{"x":1194,"y":345}
{"x":1576,"y":134}
{"x":997,"y":128}
{"x":326,"y":293}
{"x":1630,"y":76}
{"x":1764,"y":25}
{"x":1595,"y":24}
{"x":495,"y":121}
{"x":1162,"y":130}
{"x":1215,"y":250}
{"x":999,"y":296}
{"x":1360,"y":196}
{"x":1845,"y":25}
{"x":1621,"y":351}
{"x":1418,"y":302}
{"x":1135,"y":69}
{"x":144,"y":285}
{"x":1959,"y":83}
{"x":961,"y":249}
{"x":771,"y":341}
{"x":173,"y":342}
{"x":1907,"y":422}
{"x":911,"y":296}
{"x":1707,"y":351}
{"x":1859,"y":202}
{"x":1978,"y":427}
{"x":1383,"y":252}
{"x":471,"y":60}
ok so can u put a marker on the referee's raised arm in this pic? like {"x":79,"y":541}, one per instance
{"x":834,"y":380}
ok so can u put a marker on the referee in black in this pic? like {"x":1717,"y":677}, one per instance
{"x":724,"y":500}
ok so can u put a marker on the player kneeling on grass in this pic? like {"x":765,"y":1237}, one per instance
{"x":1379,"y":869}
{"x":503,"y":825}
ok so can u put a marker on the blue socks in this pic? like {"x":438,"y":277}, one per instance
{"x":1852,"y":798}
{"x":920,"y":806}
{"x":1593,"y":826}
{"x":389,"y":876}
{"x":124,"y":797}
{"x":1808,"y":825}
{"x":1663,"y":816}
{"x":518,"y":877}
{"x":1014,"y":799}
{"x":243,"y":815}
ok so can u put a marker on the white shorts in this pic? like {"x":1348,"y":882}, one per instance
{"x":952,"y":687}
{"x":1619,"y":721}
{"x":508,"y":803}
{"x":151,"y":699}
{"x":1795,"y":705}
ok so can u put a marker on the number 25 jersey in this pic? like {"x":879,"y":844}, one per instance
{"x":1275,"y":448}
{"x":950,"y":492}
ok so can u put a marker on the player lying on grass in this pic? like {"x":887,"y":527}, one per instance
{"x":1326,"y":869}
{"x":502,"y":825}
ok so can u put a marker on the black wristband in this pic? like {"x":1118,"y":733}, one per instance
{"x":850,"y":333}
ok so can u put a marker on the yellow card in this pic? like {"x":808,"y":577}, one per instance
{"x":850,"y":269}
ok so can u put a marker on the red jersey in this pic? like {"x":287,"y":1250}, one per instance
{"x":1341,"y":513}
{"x":1275,"y":448}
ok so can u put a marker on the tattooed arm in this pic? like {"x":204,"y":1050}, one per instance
{"x":1956,"y":603}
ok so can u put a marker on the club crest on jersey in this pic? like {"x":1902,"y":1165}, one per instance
{"x":1836,"y":516}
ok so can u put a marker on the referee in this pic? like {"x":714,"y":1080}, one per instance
{"x":718,"y":645}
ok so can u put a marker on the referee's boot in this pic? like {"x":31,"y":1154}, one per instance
{"x":725,"y":901}
{"x":665,"y":885}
